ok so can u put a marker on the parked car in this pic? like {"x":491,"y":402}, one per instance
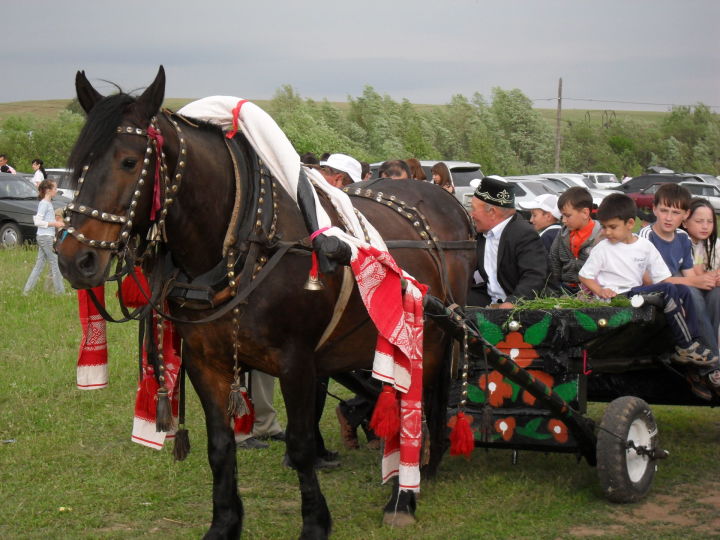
{"x":526,"y":190}
{"x":708,"y":178}
{"x":705,"y":190}
{"x":62,"y":177}
{"x":461,"y":171}
{"x":645,"y":199}
{"x":563,"y":181}
{"x":602,"y":180}
{"x":18,"y":205}
{"x":639,"y":183}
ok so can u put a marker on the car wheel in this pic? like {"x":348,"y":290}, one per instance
{"x":10,"y":235}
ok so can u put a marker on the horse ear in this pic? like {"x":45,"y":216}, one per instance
{"x":150,"y":101}
{"x":87,"y":95}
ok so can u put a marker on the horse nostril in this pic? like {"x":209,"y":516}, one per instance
{"x":87,"y":263}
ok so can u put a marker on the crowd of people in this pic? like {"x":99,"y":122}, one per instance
{"x":674,"y":257}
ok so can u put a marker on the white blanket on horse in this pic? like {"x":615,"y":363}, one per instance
{"x":398,"y":357}
{"x":279,"y":155}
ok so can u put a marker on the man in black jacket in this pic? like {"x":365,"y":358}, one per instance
{"x":512,"y":262}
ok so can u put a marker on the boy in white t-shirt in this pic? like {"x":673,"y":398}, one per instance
{"x":626,"y":264}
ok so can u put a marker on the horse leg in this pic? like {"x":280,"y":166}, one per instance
{"x":325,"y":458}
{"x":227,"y":506}
{"x":299,"y":390}
{"x":436,"y":401}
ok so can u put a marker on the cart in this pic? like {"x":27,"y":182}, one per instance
{"x":527,"y":376}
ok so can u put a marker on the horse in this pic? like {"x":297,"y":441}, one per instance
{"x":205,"y":190}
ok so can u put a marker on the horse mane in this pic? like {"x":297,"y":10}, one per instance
{"x":98,"y":132}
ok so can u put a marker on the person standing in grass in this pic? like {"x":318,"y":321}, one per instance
{"x":40,"y":174}
{"x":46,"y":223}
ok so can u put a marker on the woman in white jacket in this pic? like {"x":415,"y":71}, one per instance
{"x":46,"y":223}
{"x":40,"y":174}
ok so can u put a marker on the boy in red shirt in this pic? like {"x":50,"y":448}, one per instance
{"x":572,"y":245}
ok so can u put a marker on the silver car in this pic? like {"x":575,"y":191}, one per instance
{"x":602,"y":180}
{"x":569,"y":180}
{"x":462,"y":172}
{"x":706,"y":191}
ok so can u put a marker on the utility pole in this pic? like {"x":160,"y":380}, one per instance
{"x":557,"y":126}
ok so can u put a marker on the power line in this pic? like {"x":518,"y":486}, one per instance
{"x":626,"y":102}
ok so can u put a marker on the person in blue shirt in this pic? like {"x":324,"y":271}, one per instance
{"x":46,"y":223}
{"x":670,"y":206}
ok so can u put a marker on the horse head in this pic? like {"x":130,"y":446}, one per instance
{"x":116,"y":162}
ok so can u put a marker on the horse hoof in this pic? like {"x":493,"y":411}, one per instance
{"x":398,"y":519}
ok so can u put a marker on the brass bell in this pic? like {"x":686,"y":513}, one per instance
{"x":313,"y":283}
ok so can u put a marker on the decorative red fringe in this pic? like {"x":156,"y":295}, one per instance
{"x":131,"y":293}
{"x":244,"y":423}
{"x":314,"y":267}
{"x":462,"y":441}
{"x":385,"y":421}
{"x":146,"y":396}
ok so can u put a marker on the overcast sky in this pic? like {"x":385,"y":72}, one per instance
{"x":648,"y":51}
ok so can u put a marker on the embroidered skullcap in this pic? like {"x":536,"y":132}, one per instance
{"x":495,"y":190}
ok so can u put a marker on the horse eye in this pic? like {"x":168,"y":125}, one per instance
{"x":129,"y":163}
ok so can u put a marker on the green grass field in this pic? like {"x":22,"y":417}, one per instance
{"x":71,"y":471}
{"x":50,"y":109}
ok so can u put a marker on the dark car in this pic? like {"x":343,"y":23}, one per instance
{"x":18,"y":205}
{"x":639,"y":183}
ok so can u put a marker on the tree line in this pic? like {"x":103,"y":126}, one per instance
{"x":503,"y":133}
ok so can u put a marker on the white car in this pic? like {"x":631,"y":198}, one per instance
{"x":460,"y":171}
{"x":602,"y":180}
{"x":707,"y":191}
{"x":569,"y":180}
{"x":62,"y":177}
{"x":526,"y":189}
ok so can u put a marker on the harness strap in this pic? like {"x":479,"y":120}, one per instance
{"x":340,"y":305}
{"x":440,"y":244}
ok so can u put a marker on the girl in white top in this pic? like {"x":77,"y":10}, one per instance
{"x":46,"y":222}
{"x":701,"y":225}
{"x":40,"y":174}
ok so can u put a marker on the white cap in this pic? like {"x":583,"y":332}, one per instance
{"x":345,"y":163}
{"x":546,"y":202}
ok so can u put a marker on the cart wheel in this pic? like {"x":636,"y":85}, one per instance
{"x":626,"y":476}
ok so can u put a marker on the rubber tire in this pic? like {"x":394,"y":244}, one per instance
{"x":620,"y":470}
{"x":13,"y":229}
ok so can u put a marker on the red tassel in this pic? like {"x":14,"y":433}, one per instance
{"x":385,"y":420}
{"x":314,"y":267}
{"x":462,"y":441}
{"x":145,"y":401}
{"x":244,"y":423}
{"x":131,"y":293}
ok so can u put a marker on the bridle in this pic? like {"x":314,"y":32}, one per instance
{"x":155,"y":142}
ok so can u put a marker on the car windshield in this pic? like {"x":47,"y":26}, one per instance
{"x":556,"y":186}
{"x":461,"y":176}
{"x":537,"y":188}
{"x":606,"y":179}
{"x":17,"y":188}
{"x":587,"y":182}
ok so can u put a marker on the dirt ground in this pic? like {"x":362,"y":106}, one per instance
{"x":693,"y":512}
